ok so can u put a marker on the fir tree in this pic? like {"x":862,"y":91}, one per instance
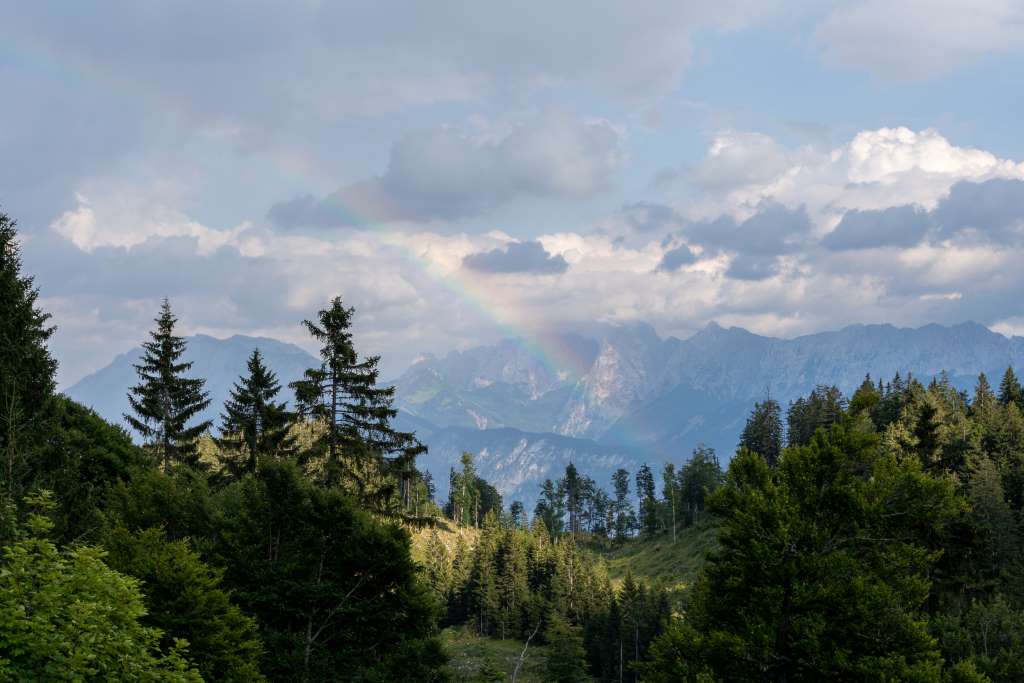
{"x":984,"y":398}
{"x":165,"y":401}
{"x":358,"y":440}
{"x":570,"y":489}
{"x":26,"y":367}
{"x":517,"y":515}
{"x":253,"y":424}
{"x":763,"y":431}
{"x":566,"y":656}
{"x":25,"y":363}
{"x":624,"y":516}
{"x":648,"y":502}
{"x":1010,"y":390}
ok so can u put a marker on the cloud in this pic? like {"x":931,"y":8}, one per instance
{"x":991,"y":211}
{"x":896,"y":226}
{"x":772,"y":229}
{"x":676,"y":258}
{"x":740,"y":159}
{"x":752,"y":266}
{"x":650,"y":217}
{"x":777,"y":266}
{"x":450,"y":174}
{"x":517,"y":257}
{"x":995,"y":208}
{"x":875,"y":170}
{"x":900,"y":40}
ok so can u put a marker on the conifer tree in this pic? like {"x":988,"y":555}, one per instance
{"x":550,"y":507}
{"x":566,"y":658}
{"x":358,"y":440}
{"x":984,"y":398}
{"x":253,"y":424}
{"x":26,"y":367}
{"x":624,"y":516}
{"x":763,"y":431}
{"x":570,"y":489}
{"x":165,"y":401}
{"x":1010,"y":390}
{"x":517,"y":515}
{"x":648,"y":502}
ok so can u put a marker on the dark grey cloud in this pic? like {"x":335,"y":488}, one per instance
{"x":517,"y":257}
{"x":992,"y":210}
{"x":748,"y":266}
{"x":994,"y":207}
{"x":646,"y":217}
{"x":448,"y":174}
{"x":674,"y":259}
{"x":899,"y":226}
{"x":774,"y":229}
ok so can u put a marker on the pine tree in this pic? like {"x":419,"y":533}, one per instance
{"x":358,"y":441}
{"x":517,"y":515}
{"x":763,"y":431}
{"x":570,"y":489}
{"x":26,"y":367}
{"x":648,"y":502}
{"x":164,"y":401}
{"x":550,"y":507}
{"x":624,"y":516}
{"x":25,"y":363}
{"x":253,"y":424}
{"x":1010,"y":390}
{"x":566,"y":656}
{"x":984,"y":398}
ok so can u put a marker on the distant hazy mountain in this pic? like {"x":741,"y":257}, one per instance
{"x":616,"y":399}
{"x":219,"y":361}
{"x":629,"y":394}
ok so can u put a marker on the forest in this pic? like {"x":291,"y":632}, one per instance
{"x":870,"y":537}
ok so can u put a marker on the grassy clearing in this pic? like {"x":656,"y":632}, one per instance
{"x":659,"y":561}
{"x":472,"y":656}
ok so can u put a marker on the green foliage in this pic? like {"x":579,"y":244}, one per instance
{"x":333,"y":589}
{"x":989,"y":637}
{"x":184,"y":599}
{"x":822,"y":569}
{"x":65,"y":615}
{"x":26,"y":374}
{"x":85,"y":459}
{"x":821,"y":409}
{"x":357,"y":445}
{"x":1010,"y":391}
{"x":164,"y":401}
{"x":254,"y":425}
{"x":763,"y":432}
{"x":566,"y":659}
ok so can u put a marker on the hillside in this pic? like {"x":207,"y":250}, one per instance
{"x":658,"y":561}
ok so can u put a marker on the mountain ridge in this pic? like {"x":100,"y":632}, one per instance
{"x":623,"y":394}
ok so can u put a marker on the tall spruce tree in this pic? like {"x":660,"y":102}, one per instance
{"x":165,"y":401}
{"x":26,"y":367}
{"x":1010,"y":390}
{"x":648,"y":501}
{"x":763,"y":431}
{"x":358,"y":441}
{"x":253,"y":424}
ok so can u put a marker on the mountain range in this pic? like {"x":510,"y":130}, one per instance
{"x":617,"y":397}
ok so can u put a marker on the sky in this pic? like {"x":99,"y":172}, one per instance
{"x":464,"y":171}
